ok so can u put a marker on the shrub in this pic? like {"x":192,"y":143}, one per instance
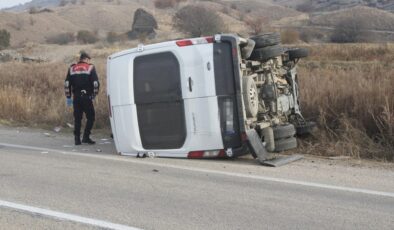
{"x":308,"y":35}
{"x":63,"y":3}
{"x":350,"y":29}
{"x":61,"y":39}
{"x":198,"y":21}
{"x":306,"y":7}
{"x":87,"y":37}
{"x":5,"y":37}
{"x":290,"y":36}
{"x":162,"y":4}
{"x":33,"y":10}
{"x":256,"y":24}
{"x":115,"y":37}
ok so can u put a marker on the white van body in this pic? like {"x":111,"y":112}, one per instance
{"x":185,"y":112}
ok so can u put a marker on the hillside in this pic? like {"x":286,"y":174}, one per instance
{"x":98,"y":16}
{"x":372,"y":19}
{"x":313,"y":6}
{"x":105,"y":16}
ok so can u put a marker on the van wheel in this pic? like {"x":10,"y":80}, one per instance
{"x":269,"y":140}
{"x":247,"y":49}
{"x":285,"y":144}
{"x":307,"y":128}
{"x":298,"y":53}
{"x":284,"y":131}
{"x":264,"y":40}
{"x":266,"y":53}
{"x":250,"y":95}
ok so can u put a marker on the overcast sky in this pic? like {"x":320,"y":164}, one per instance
{"x":9,"y":3}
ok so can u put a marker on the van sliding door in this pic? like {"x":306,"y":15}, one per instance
{"x":158,"y":97}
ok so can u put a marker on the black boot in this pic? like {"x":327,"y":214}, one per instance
{"x":77,"y":140}
{"x":87,"y":140}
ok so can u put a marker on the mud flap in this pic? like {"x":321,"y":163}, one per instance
{"x":257,"y":149}
{"x":256,"y":146}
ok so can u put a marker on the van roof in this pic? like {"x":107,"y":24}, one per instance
{"x":194,"y":41}
{"x":145,"y":47}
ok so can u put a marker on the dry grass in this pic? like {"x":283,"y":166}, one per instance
{"x":33,"y":94}
{"x":349,"y":90}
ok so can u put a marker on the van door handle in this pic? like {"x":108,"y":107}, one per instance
{"x":190,"y":84}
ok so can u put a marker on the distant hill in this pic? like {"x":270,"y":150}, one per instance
{"x":54,"y":17}
{"x":103,"y":16}
{"x":332,"y":5}
{"x":372,"y":18}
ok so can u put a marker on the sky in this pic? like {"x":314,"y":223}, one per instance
{"x":9,"y":3}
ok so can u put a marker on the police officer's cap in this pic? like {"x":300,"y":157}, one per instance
{"x":84,"y":55}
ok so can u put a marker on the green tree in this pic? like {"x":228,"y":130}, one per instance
{"x":5,"y":37}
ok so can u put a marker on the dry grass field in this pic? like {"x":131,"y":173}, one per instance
{"x":347,"y":89}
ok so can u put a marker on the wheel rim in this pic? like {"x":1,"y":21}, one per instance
{"x":253,"y":97}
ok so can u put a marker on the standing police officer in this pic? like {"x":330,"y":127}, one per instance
{"x":83,"y":83}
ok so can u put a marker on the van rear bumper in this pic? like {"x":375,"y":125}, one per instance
{"x":241,"y":151}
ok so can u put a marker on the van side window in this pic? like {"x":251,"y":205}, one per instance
{"x":158,"y":97}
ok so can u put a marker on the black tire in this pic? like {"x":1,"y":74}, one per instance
{"x":250,"y":95}
{"x":298,"y":53}
{"x":264,"y":40}
{"x":264,"y":54}
{"x":247,"y":50}
{"x":285,"y":144}
{"x":269,"y":140}
{"x":306,"y":129}
{"x":284,"y":131}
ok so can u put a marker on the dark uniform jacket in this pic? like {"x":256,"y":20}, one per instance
{"x":82,"y":80}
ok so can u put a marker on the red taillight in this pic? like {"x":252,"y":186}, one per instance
{"x":235,"y":52}
{"x":222,"y":153}
{"x":196,"y":41}
{"x":109,"y":106}
{"x":209,"y":39}
{"x":244,"y":137}
{"x":195,"y":154}
{"x":183,"y":43}
{"x":206,"y":154}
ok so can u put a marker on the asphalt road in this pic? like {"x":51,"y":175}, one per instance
{"x":180,"y":194}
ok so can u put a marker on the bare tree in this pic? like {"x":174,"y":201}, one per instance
{"x":256,"y":24}
{"x":198,"y":21}
{"x":353,"y":28}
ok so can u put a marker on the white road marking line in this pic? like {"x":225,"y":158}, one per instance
{"x":201,"y":170}
{"x":65,"y":216}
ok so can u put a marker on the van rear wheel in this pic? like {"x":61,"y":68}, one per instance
{"x":250,"y":95}
{"x":266,"y":53}
{"x":268,"y":39}
{"x":297,"y":53}
{"x":285,"y":144}
{"x":284,"y":131}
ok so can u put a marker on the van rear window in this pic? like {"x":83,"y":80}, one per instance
{"x":158,"y":96}
{"x":224,"y":70}
{"x":157,"y":78}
